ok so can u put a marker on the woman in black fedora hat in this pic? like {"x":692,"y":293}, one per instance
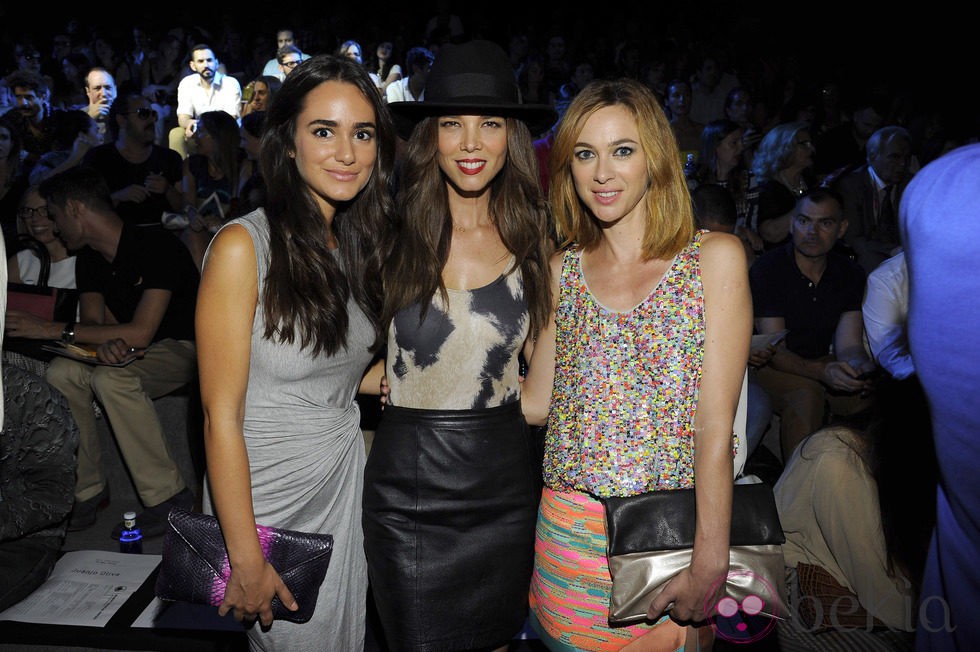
{"x":453,"y":479}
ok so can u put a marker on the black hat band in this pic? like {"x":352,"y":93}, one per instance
{"x":476,"y":86}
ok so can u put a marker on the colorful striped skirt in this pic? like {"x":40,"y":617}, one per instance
{"x":570,"y":587}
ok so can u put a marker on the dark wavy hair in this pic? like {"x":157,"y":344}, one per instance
{"x":517,"y":208}
{"x":307,"y":289}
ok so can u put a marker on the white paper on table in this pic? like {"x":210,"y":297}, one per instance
{"x":150,"y":614}
{"x":86,"y":587}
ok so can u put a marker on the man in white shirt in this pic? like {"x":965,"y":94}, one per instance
{"x":207,"y":90}
{"x":283,"y":37}
{"x":289,"y":56}
{"x":418,"y":60}
{"x":885,"y":311}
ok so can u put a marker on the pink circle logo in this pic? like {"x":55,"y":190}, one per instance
{"x":746,"y":621}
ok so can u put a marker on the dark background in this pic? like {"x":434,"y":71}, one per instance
{"x":925,"y":52}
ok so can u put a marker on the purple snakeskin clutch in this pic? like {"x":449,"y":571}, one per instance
{"x":195,"y":563}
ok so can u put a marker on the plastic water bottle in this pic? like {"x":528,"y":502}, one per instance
{"x":131,"y":539}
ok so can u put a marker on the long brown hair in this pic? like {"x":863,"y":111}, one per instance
{"x":307,"y":290}
{"x":413,"y":274}
{"x":224,"y":129}
{"x":670,"y":218}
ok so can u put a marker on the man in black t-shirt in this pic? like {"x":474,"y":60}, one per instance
{"x":142,"y":176}
{"x":812,"y":290}
{"x":137,"y":294}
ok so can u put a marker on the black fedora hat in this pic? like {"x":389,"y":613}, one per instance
{"x":472,"y":77}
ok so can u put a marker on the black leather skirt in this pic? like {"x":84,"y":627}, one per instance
{"x":450,"y":506}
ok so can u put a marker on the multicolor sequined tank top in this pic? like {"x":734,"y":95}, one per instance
{"x":626,"y":384}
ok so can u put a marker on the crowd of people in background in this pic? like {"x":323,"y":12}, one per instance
{"x":804,"y":157}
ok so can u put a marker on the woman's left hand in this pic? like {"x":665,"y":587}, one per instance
{"x":691,"y":595}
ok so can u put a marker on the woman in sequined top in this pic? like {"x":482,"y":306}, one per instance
{"x":638,"y":374}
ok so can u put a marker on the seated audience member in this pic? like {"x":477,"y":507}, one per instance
{"x":386,"y":68}
{"x":720,"y":163}
{"x":781,"y":174}
{"x":885,"y":311}
{"x":740,"y":108}
{"x":842,"y":148}
{"x":37,"y":477}
{"x":100,"y":87}
{"x":13,"y":174}
{"x":811,"y":289}
{"x":871,"y":194}
{"x":39,"y":257}
{"x":207,"y":89}
{"x":251,"y":186}
{"x":143,"y":176}
{"x":686,"y":130}
{"x":211,"y":179}
{"x":288,"y":56}
{"x":258,"y":93}
{"x":73,"y":134}
{"x":418,"y":60}
{"x":856,"y":562}
{"x":710,"y":86}
{"x":32,"y":95}
{"x":715,"y":210}
{"x":138,"y":289}
{"x":283,"y":37}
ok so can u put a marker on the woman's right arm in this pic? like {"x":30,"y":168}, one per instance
{"x":540,"y":355}
{"x":226,"y":305}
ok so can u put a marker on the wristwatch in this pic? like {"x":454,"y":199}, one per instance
{"x":68,"y":333}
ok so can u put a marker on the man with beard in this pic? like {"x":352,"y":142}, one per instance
{"x":31,"y":97}
{"x":142,"y":175}
{"x":808,"y":287}
{"x":207,"y":90}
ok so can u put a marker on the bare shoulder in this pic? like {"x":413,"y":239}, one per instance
{"x":722,"y":249}
{"x":232,"y":245}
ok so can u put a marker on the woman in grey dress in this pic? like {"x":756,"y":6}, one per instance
{"x":288,"y":320}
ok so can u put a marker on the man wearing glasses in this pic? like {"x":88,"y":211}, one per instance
{"x":289,"y":56}
{"x":284,"y":36}
{"x":142,"y":176}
